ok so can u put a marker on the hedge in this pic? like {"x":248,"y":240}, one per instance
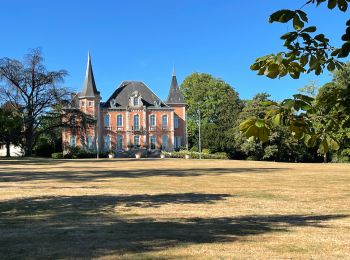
{"x":195,"y":155}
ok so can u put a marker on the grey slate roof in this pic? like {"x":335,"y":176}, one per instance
{"x":175,"y":96}
{"x":120,"y":97}
{"x":89,"y":86}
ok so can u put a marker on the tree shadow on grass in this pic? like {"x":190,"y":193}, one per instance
{"x":96,"y":174}
{"x":93,"y":226}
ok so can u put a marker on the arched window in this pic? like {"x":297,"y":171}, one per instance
{"x":119,"y":120}
{"x":152,"y":120}
{"x":153,"y":142}
{"x":106,"y":120}
{"x":164,"y":142}
{"x":164,"y":121}
{"x":119,"y":142}
{"x":136,"y":122}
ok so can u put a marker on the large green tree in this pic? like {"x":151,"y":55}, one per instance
{"x":219,"y":105}
{"x":37,"y":94}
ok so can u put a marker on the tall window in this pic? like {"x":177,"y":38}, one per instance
{"x":164,"y":121}
{"x":119,"y":120}
{"x":177,"y":142}
{"x":153,"y":142}
{"x":176,"y":122}
{"x":119,"y":142}
{"x":72,"y":141}
{"x":107,"y":142}
{"x":136,"y":122}
{"x":106,"y":120}
{"x":164,"y":142}
{"x":89,"y":143}
{"x":136,"y":101}
{"x":136,"y":140}
{"x":152,"y":120}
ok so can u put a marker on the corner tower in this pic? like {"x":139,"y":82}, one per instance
{"x":177,"y":102}
{"x":89,"y":97}
{"x":89,"y":103}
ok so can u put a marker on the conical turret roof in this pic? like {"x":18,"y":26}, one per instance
{"x":89,"y":86}
{"x":175,"y":96}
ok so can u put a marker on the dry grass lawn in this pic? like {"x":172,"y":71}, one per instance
{"x":156,"y":209}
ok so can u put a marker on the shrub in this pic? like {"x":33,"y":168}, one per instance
{"x":195,"y":155}
{"x":57,"y":155}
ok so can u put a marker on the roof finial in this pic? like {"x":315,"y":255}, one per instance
{"x":174,"y":72}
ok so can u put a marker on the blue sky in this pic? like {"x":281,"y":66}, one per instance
{"x":143,"y":40}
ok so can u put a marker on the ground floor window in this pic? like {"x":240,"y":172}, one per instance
{"x":177,"y":142}
{"x":72,"y":141}
{"x":136,"y":140}
{"x":164,"y":142}
{"x":153,"y":142}
{"x":107,"y":142}
{"x":119,"y":142}
{"x":89,"y":142}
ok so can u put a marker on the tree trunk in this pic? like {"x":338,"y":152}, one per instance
{"x":325,"y":158}
{"x":8,"y":152}
{"x":29,"y":138}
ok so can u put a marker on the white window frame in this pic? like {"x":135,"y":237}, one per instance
{"x":166,"y":126}
{"x":167,"y":145}
{"x":138,"y":101}
{"x":138,"y":122}
{"x":155,"y":142}
{"x":120,"y":115}
{"x":150,"y":121}
{"x":90,"y":103}
{"x":138,"y":143}
{"x":120,"y":137}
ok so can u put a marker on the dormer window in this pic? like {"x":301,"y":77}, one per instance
{"x":136,"y":101}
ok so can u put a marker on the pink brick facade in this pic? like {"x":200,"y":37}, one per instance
{"x":132,"y":118}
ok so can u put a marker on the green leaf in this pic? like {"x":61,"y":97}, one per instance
{"x":260,"y":123}
{"x":342,"y":5}
{"x":304,"y":60}
{"x":333,"y":144}
{"x":282,"y":16}
{"x":244,"y":126}
{"x":276,"y":120}
{"x":332,"y":4}
{"x":345,"y":50}
{"x":263,"y":134}
{"x":302,"y":15}
{"x":297,"y":23}
{"x":310,"y":140}
{"x":331,"y":66}
{"x":310,"y":29}
{"x":252,"y":131}
{"x":304,"y":98}
{"x":323,"y":148}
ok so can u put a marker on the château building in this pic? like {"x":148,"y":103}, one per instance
{"x":133,"y":117}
